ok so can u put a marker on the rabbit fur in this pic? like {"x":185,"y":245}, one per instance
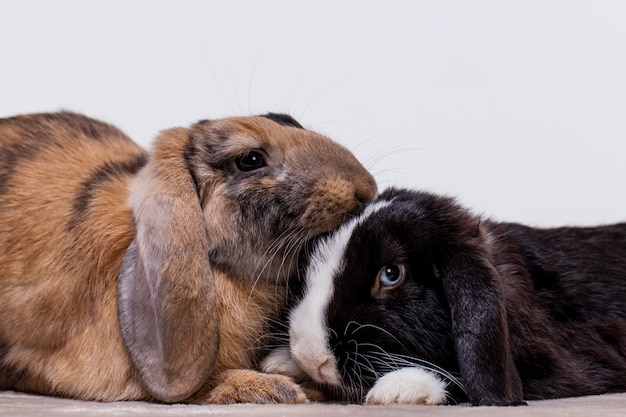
{"x":127,"y":274}
{"x":420,"y":301}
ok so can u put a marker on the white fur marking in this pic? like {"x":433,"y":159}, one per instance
{"x":308,"y":328}
{"x":407,"y":386}
{"x":279,"y":361}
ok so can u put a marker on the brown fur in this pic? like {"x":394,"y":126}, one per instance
{"x":76,"y":193}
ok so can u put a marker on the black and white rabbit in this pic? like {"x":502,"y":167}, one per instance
{"x":420,"y":301}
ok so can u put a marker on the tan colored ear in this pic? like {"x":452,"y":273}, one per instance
{"x":166,"y":292}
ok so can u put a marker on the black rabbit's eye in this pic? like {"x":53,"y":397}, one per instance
{"x":391,"y":275}
{"x":250,"y":161}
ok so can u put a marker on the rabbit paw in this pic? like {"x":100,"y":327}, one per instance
{"x":248,"y":386}
{"x":279,"y":361}
{"x":407,"y":386}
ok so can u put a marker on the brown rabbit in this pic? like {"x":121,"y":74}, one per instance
{"x":129,"y":275}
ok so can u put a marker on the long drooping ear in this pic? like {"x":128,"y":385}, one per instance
{"x":166,"y":292}
{"x":473,"y":290}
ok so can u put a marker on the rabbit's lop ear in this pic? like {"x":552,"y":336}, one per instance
{"x":166,"y":294}
{"x":473,"y":290}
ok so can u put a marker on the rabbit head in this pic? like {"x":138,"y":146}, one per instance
{"x":241,"y":196}
{"x":270,"y":187}
{"x":408,"y":283}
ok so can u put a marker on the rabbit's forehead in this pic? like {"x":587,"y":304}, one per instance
{"x":261,"y":132}
{"x":296,"y":146}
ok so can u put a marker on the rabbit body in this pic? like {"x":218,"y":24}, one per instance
{"x":501,"y":312}
{"x":131,"y":275}
{"x":57,"y":286}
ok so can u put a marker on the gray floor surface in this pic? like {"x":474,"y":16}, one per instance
{"x":26,"y":405}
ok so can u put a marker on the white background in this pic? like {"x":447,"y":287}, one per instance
{"x":516,"y":107}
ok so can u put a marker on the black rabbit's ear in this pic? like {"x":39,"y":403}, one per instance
{"x":474,"y":293}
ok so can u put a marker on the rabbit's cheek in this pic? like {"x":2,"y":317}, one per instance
{"x":218,"y":213}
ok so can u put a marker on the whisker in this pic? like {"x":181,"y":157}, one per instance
{"x":321,"y":93}
{"x":432,"y":367}
{"x":403,"y":361}
{"x":270,"y":254}
{"x":275,"y":246}
{"x":252,"y":73}
{"x":369,"y":366}
{"x":333,"y":333}
{"x":378,"y":361}
{"x":277,"y":339}
{"x":277,"y":322}
{"x":263,"y":347}
{"x":219,"y":87}
{"x":364,"y":326}
{"x":292,"y":247}
{"x":356,"y":382}
{"x":345,"y":332}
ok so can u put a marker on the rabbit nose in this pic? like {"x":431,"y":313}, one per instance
{"x":326,"y":372}
{"x":335,"y":198}
{"x":365,"y":189}
{"x":322,"y":368}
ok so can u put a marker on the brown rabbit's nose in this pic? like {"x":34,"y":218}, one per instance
{"x":336,"y":198}
{"x":365,"y":189}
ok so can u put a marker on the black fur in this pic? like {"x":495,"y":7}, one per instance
{"x":283,"y":119}
{"x":516,"y":312}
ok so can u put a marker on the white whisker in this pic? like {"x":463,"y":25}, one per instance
{"x":219,"y":87}
{"x":317,"y":96}
{"x":403,"y":361}
{"x":369,"y":366}
{"x":271,"y":252}
{"x":378,"y":361}
{"x":365,"y":326}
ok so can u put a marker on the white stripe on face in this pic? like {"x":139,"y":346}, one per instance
{"x":308,"y":326}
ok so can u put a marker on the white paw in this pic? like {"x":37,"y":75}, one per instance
{"x":408,"y":386}
{"x":279,"y":361}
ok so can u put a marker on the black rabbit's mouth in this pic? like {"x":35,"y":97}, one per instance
{"x":360,"y":361}
{"x":363,"y":356}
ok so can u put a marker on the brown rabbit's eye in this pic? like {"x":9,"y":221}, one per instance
{"x":250,"y":161}
{"x":391,"y":275}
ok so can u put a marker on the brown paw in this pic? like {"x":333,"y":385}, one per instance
{"x":247,"y":386}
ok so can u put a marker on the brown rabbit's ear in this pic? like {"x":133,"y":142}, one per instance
{"x":166,"y":292}
{"x":473,"y":290}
